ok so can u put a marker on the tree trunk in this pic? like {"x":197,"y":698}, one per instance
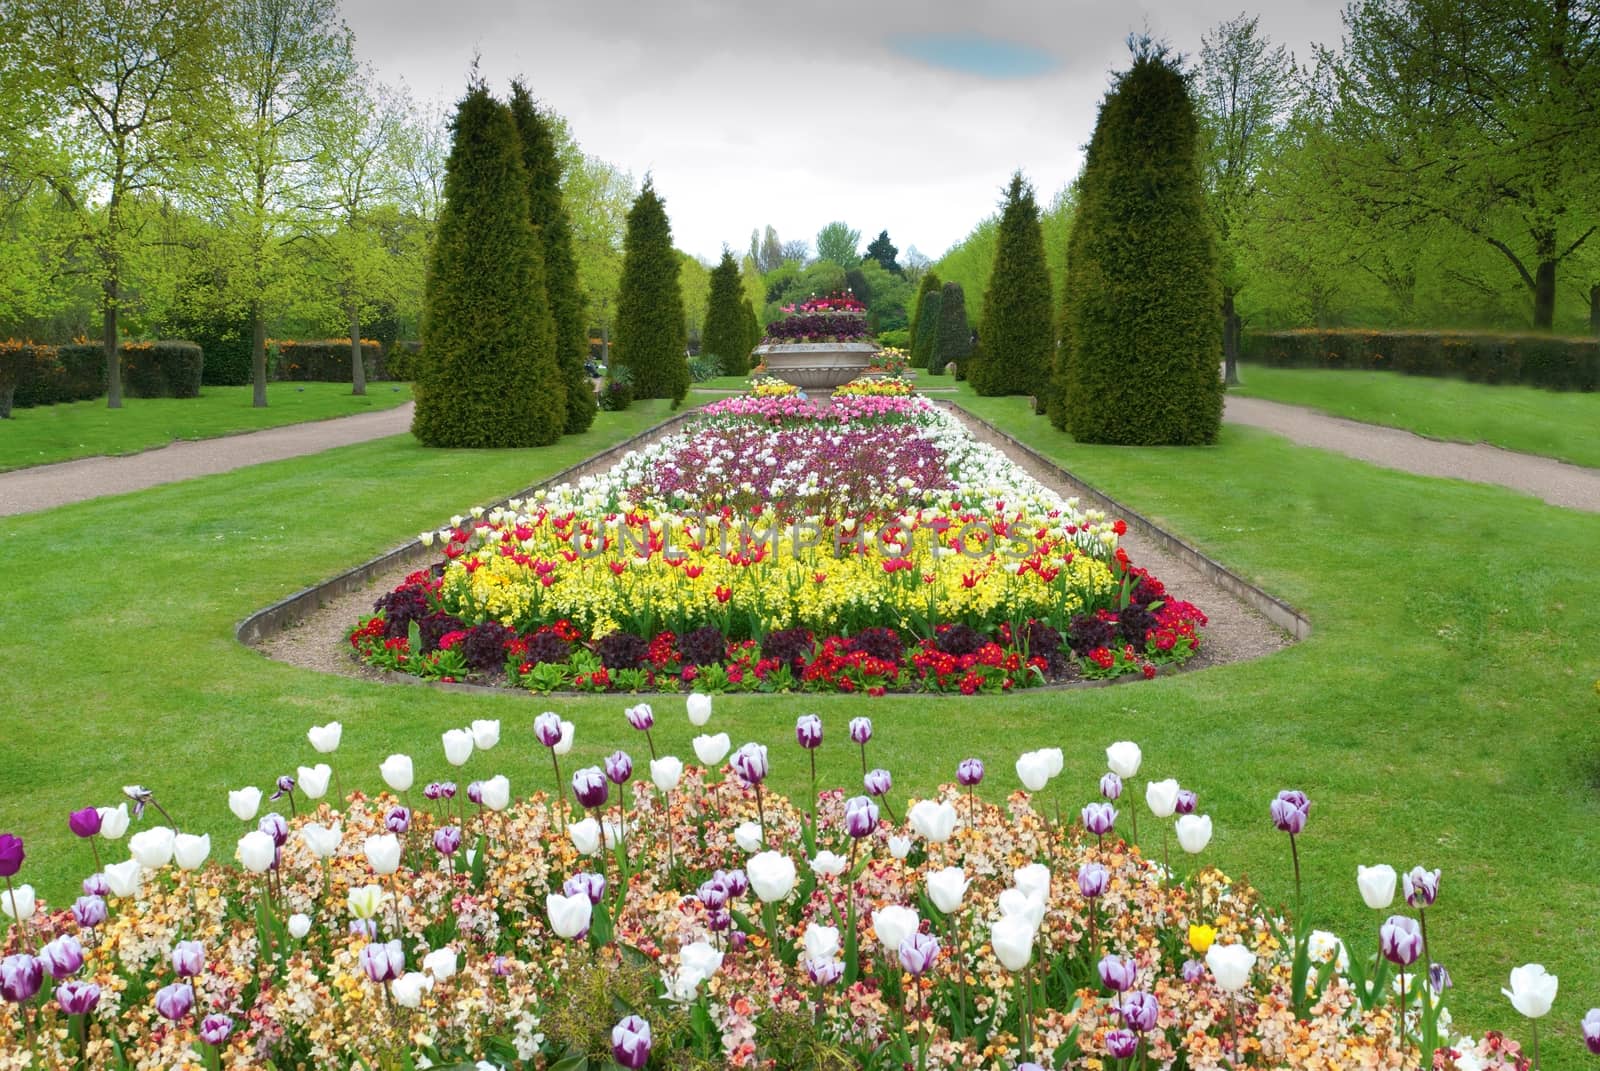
{"x":358,"y":369}
{"x":113,"y":354}
{"x":258,"y":355}
{"x":1594,"y":309}
{"x":1230,"y":339}
{"x":1544,"y":296}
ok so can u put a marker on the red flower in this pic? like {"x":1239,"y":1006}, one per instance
{"x":1120,"y":526}
{"x":1149,"y":671}
{"x":723,"y":593}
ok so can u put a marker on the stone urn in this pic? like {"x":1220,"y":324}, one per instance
{"x":816,"y":365}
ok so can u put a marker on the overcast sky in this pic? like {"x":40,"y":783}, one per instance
{"x":892,"y":115}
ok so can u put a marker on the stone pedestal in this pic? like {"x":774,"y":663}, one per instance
{"x":816,"y":365}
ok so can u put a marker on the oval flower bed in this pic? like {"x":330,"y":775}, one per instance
{"x":688,"y":918}
{"x":868,"y":544}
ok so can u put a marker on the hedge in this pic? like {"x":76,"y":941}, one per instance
{"x":162,"y":369}
{"x":71,"y":373}
{"x":33,"y":374}
{"x":1548,"y":361}
{"x":326,"y":360}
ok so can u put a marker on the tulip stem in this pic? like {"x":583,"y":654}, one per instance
{"x":813,"y":753}
{"x":761,"y":812}
{"x":95,"y":851}
{"x":1294,"y":851}
{"x":1133,"y":817}
{"x":561,"y":796}
{"x":16,"y":914}
{"x":1535,"y":1024}
{"x":1399,"y":1017}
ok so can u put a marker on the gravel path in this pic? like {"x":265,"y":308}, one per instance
{"x":45,"y":486}
{"x":1557,"y":482}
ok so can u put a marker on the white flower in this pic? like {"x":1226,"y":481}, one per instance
{"x":1124,"y":757}
{"x":1194,"y":832}
{"x":1015,"y":903}
{"x":497,"y":792}
{"x":485,"y":733}
{"x":1162,"y":796}
{"x":313,"y":780}
{"x":710,"y":750}
{"x":828,"y":865}
{"x":1533,"y":990}
{"x":564,"y":745}
{"x":699,"y":709}
{"x":441,"y":963}
{"x":947,"y":888}
{"x":322,"y":840}
{"x":457,"y":747}
{"x":256,"y":851}
{"x":611,"y":829}
{"x":409,"y":988}
{"x":748,"y":837}
{"x":152,"y":847}
{"x":699,"y":957}
{"x":397,"y":772}
{"x":299,"y":925}
{"x":190,"y":851}
{"x":771,"y":875}
{"x":1230,"y":965}
{"x":1033,"y":879}
{"x":1053,"y":759}
{"x":1012,"y":940}
{"x":933,"y":820}
{"x":124,"y":879}
{"x":1376,"y":884}
{"x":666,"y":772}
{"x":822,"y":942}
{"x":893,"y":924}
{"x":365,"y":900}
{"x":569,"y":915}
{"x":585,"y":836}
{"x":425,"y":538}
{"x":383,"y":853}
{"x":1033,"y":770}
{"x":243,"y":802}
{"x":1324,"y":947}
{"x":681,"y":986}
{"x":899,"y":847}
{"x":114,"y":820}
{"x":325,"y":738}
{"x":18,"y":903}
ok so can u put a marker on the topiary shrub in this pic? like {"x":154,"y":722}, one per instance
{"x":1142,"y":335}
{"x":727,"y":331}
{"x":952,"y":339}
{"x":162,"y":369}
{"x":72,"y":373}
{"x":650,"y":334}
{"x":400,"y":363}
{"x":615,"y":396}
{"x":926,"y":329}
{"x":1018,"y":339}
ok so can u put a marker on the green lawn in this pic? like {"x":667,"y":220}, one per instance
{"x":85,"y":429}
{"x":1517,"y":418}
{"x":723,"y":383}
{"x":1443,"y":712}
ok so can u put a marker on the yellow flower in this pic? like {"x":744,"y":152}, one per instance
{"x":1201,"y":936}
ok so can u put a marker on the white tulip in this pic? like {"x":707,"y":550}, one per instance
{"x":1230,"y":966}
{"x":325,"y":738}
{"x":1014,"y":903}
{"x":701,"y":958}
{"x":1124,"y":757}
{"x":710,"y":750}
{"x":313,"y":780}
{"x":409,"y":988}
{"x":748,"y":837}
{"x":244,"y":803}
{"x":1033,"y":879}
{"x":322,"y":840}
{"x":1162,"y":796}
{"x":585,"y":836}
{"x":152,"y":847}
{"x":1376,"y":884}
{"x":771,"y":875}
{"x":899,"y":847}
{"x":497,"y":792}
{"x":256,"y":851}
{"x":18,"y":903}
{"x":365,"y":900}
{"x":564,"y":745}
{"x":299,"y":925}
{"x":425,"y":538}
{"x":383,"y":853}
{"x":191,"y":851}
{"x":934,"y":820}
{"x":569,"y":915}
{"x":397,"y":772}
{"x":114,"y":820}
{"x":1194,"y":832}
{"x":457,"y":746}
{"x":822,"y":942}
{"x":1533,"y":990}
{"x":828,"y":865}
{"x":1033,"y":770}
{"x":681,"y":986}
{"x":699,"y":708}
{"x":485,"y":733}
{"x":666,"y":772}
{"x":1054,"y":761}
{"x":1012,"y":940}
{"x":947,"y":888}
{"x":893,"y":924}
{"x":441,"y":963}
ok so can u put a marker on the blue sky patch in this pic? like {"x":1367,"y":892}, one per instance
{"x":986,"y":57}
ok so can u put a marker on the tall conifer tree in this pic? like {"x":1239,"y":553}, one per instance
{"x":726,"y":330}
{"x":1017,"y":336}
{"x":651,"y":336}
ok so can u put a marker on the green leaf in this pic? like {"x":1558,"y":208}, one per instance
{"x":575,"y":1062}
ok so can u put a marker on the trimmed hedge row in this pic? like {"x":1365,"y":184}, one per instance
{"x":163,"y":369}
{"x":326,"y":360}
{"x":1548,"y":361}
{"x":35,"y":374}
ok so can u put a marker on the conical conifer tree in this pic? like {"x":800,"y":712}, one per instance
{"x":1142,"y":339}
{"x":926,"y":329}
{"x":928,"y":284}
{"x":952,"y":340}
{"x":488,"y":376}
{"x":651,"y":335}
{"x":549,"y":216}
{"x":1018,"y":338}
{"x":726,"y":330}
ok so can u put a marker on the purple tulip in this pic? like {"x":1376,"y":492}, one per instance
{"x":434,"y":791}
{"x":641,"y":717}
{"x":737,"y":940}
{"x":1093,"y":880}
{"x":1118,"y":974}
{"x":719,"y":920}
{"x":547,"y":727}
{"x":1140,"y":1012}
{"x":1110,"y":786}
{"x":1287,"y":817}
{"x":85,"y":823}
{"x":189,"y":958}
{"x":215,"y":1029}
{"x":591,"y":885}
{"x":917,"y":953}
{"x":63,"y":957}
{"x":367,"y":928}
{"x":712,"y":893}
{"x":970,"y":772}
{"x":11,"y":855}
{"x":737,"y":881}
{"x":398,"y":820}
{"x":501,"y":967}
{"x":475,"y":792}
{"x":1401,"y":940}
{"x":1193,"y":971}
{"x":96,"y":885}
{"x":750,"y":763}
{"x":1030,"y":1066}
{"x":285,"y":787}
{"x":861,"y":730}
{"x":1421,"y":886}
{"x":383,"y":962}
{"x":877,"y":782}
{"x":1186,"y":803}
{"x":630,"y":1042}
{"x":89,"y":911}
{"x":20,"y":977}
{"x":1296,"y":797}
{"x":1439,"y":978}
{"x":808,"y":731}
{"x":619,"y":767}
{"x":1122,"y":1044}
{"x":447,"y":840}
{"x":824,"y":971}
{"x":78,"y":998}
{"x":175,"y":1001}
{"x":274,"y":826}
{"x":1591,"y":1030}
{"x":860,"y":816}
{"x":590,"y":786}
{"x":1099,"y":818}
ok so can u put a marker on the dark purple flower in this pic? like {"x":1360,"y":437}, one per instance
{"x":641,"y":717}
{"x":89,"y":911}
{"x":383,"y":962}
{"x":547,"y":727}
{"x":63,"y":957}
{"x":214,"y":1030}
{"x":434,"y":791}
{"x":591,"y":885}
{"x":737,"y":940}
{"x":1421,"y":886}
{"x":970,"y":772}
{"x":619,"y":767}
{"x":398,"y":820}
{"x":860,"y":816}
{"x":917,"y":953}
{"x":85,"y":823}
{"x":1193,"y":971}
{"x":1186,"y":802}
{"x":1099,"y":818}
{"x":877,"y":782}
{"x":285,"y":787}
{"x":1287,"y":817}
{"x":590,"y":786}
{"x":1118,"y":974}
{"x":1093,"y":880}
{"x":11,"y":854}
{"x":718,"y":919}
{"x":737,"y":882}
{"x":475,"y":792}
{"x":78,"y":998}
{"x":860,"y":730}
{"x":96,"y":885}
{"x":1139,"y":1012}
{"x":1110,"y":786}
{"x":1439,"y":978}
{"x":20,"y":977}
{"x":447,"y":840}
{"x":712,"y":893}
{"x":630,"y":1042}
{"x":824,"y":971}
{"x":1591,"y":1030}
{"x":274,"y":826}
{"x":175,"y":1001}
{"x":750,"y":763}
{"x":1401,"y":940}
{"x":808,"y":731}
{"x":188,"y":958}
{"x":1122,"y":1044}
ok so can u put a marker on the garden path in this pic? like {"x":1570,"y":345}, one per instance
{"x":1557,"y":482}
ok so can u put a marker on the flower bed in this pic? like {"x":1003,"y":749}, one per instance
{"x":693,"y":919}
{"x":867,"y":544}
{"x":837,"y":318}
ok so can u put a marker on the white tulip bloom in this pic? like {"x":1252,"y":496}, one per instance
{"x":748,"y":837}
{"x":457,"y":746}
{"x":497,"y":792}
{"x":322,"y":840}
{"x":1123,"y":758}
{"x":1162,"y":796}
{"x":409,"y":988}
{"x":485,"y":733}
{"x":947,"y":888}
{"x":383,"y":853}
{"x":18,"y":903}
{"x":441,"y":963}
{"x":325,"y":738}
{"x":1230,"y":966}
{"x":364,"y":901}
{"x":397,"y":772}
{"x":1533,"y":990}
{"x":153,"y":847}
{"x":114,"y":820}
{"x":313,"y":780}
{"x":699,"y":708}
{"x":585,"y":836}
{"x":666,"y":772}
{"x":771,"y":876}
{"x":256,"y":851}
{"x":711,"y":750}
{"x":822,"y":942}
{"x":1012,"y":939}
{"x":1015,"y":903}
{"x":933,"y":820}
{"x":893,"y":924}
{"x":243,"y":802}
{"x":1194,"y":832}
{"x":1033,"y":770}
{"x":828,"y":865}
{"x":899,"y":847}
{"x":299,"y":925}
{"x":191,"y":851}
{"x":569,"y":915}
{"x":1377,"y":885}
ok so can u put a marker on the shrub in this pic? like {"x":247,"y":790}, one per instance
{"x":952,"y":339}
{"x":161,"y":369}
{"x":1088,"y":631}
{"x":880,"y":643}
{"x":1142,"y":335}
{"x":896,"y":338}
{"x":708,"y":366}
{"x":70,"y":373}
{"x":926,"y":329}
{"x":791,"y":646}
{"x":958,"y":639}
{"x":23,"y":362}
{"x":326,"y":360}
{"x":399,"y":608}
{"x":484,"y":649}
{"x":401,"y":362}
{"x":727,"y":331}
{"x":622,"y":650}
{"x":615,"y":396}
{"x":1018,"y":339}
{"x":704,"y":646}
{"x":546,"y":646}
{"x":1548,"y":361}
{"x":651,"y":337}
